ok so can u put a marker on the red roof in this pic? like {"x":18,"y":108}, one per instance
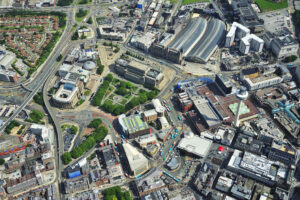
{"x":221,"y":148}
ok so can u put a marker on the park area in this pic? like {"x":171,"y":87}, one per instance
{"x":184,"y":2}
{"x":117,"y":96}
{"x":267,"y":5}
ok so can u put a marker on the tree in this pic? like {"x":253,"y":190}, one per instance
{"x":73,"y":129}
{"x":67,"y":158}
{"x":132,"y":103}
{"x":291,"y":58}
{"x":77,"y":152}
{"x":95,"y":123}
{"x":100,"y":69}
{"x":122,"y":91}
{"x":143,"y":98}
{"x":59,"y":58}
{"x":64,"y":2}
{"x":90,"y":20}
{"x":2,"y":161}
{"x":118,"y":109}
{"x":75,"y":36}
{"x":11,"y":125}
{"x":36,"y":116}
{"x":38,"y":98}
{"x":109,"y":77}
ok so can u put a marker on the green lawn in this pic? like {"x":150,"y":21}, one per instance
{"x":268,"y":5}
{"x":84,"y":2}
{"x":193,"y":1}
{"x":80,"y":15}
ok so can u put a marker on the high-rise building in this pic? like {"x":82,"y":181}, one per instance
{"x":241,"y":95}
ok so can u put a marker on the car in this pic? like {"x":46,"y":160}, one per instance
{"x":179,"y":117}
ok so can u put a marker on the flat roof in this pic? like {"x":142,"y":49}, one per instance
{"x":138,"y":65}
{"x":195,"y":145}
{"x":207,"y":112}
{"x":135,"y":123}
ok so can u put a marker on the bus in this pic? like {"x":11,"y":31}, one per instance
{"x":179,"y":117}
{"x":138,"y":176}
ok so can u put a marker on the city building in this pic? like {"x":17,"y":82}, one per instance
{"x":145,"y":140}
{"x":144,"y":41}
{"x":237,"y":31}
{"x":173,"y":164}
{"x":164,"y":122}
{"x":194,"y":145}
{"x":44,"y":133}
{"x":262,"y":77}
{"x":251,"y":43}
{"x":75,"y":184}
{"x":244,"y":13}
{"x":6,"y":59}
{"x":258,"y":168}
{"x":214,"y":103}
{"x":84,"y":32}
{"x":160,"y":109}
{"x":107,"y":32}
{"x":149,"y":115}
{"x":224,"y":184}
{"x":138,"y":72}
{"x":241,"y":95}
{"x":66,"y":96}
{"x":248,"y":42}
{"x":196,"y":42}
{"x":281,"y":43}
{"x":71,"y":85}
{"x":137,"y":162}
{"x":150,"y":182}
{"x":8,"y":76}
{"x":108,"y":156}
{"x":133,"y":126}
{"x":23,"y":183}
{"x":41,"y":3}
{"x":64,"y":69}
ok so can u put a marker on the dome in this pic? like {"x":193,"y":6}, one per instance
{"x":89,"y":65}
{"x":189,"y":134}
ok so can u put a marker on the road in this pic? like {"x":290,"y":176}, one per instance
{"x":45,"y":72}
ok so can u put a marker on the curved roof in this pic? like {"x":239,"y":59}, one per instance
{"x":188,"y":37}
{"x":89,"y":65}
{"x":212,"y":37}
{"x":189,"y":134}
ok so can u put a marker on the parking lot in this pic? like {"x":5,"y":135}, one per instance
{"x":275,"y":21}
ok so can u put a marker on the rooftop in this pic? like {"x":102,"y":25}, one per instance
{"x":133,"y":123}
{"x":195,"y":145}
